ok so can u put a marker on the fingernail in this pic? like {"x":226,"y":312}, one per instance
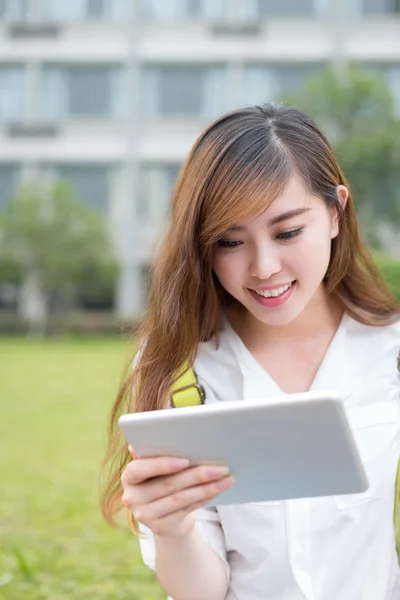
{"x":131,"y":450}
{"x":226,"y":481}
{"x":219,"y":471}
{"x":180,"y":463}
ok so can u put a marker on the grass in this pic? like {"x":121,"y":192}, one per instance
{"x":54,"y":403}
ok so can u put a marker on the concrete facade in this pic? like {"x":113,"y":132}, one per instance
{"x":112,"y":93}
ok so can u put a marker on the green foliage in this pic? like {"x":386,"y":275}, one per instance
{"x":54,"y":543}
{"x":355,"y":109}
{"x":348,"y":101}
{"x":50,"y":232}
{"x":9,"y":271}
{"x":71,"y":323}
{"x":390,"y":269}
{"x":96,"y":285}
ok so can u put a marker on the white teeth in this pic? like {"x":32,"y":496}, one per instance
{"x":274,"y":293}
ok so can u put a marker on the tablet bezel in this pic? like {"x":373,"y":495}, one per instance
{"x":242,"y":433}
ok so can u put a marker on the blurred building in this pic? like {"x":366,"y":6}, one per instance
{"x":110,"y":94}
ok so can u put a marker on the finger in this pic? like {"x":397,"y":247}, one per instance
{"x":205,"y":501}
{"x":170,"y":522}
{"x":132,"y":452}
{"x":146,"y":492}
{"x":171,"y":484}
{"x":185,"y":499}
{"x":140,"y":470}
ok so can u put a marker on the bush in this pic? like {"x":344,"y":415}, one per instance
{"x":96,"y":286}
{"x":390,"y":269}
{"x":88,"y":323}
{"x":355,"y":109}
{"x":58,"y":246}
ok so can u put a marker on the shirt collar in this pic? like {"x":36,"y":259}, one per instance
{"x":333,"y":374}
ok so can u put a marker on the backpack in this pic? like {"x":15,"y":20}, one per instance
{"x":186,"y":391}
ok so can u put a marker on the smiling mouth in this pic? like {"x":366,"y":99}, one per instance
{"x":275,"y":292}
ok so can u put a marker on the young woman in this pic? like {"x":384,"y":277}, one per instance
{"x":264,"y":285}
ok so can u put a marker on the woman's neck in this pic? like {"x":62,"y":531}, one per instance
{"x":320,"y":318}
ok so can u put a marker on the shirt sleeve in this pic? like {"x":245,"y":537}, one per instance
{"x":208,"y":524}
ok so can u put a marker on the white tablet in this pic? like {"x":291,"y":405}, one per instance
{"x":293,"y":446}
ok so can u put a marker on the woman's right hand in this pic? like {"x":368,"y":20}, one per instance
{"x":163,"y":492}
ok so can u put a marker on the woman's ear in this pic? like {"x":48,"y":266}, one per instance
{"x":342,"y":194}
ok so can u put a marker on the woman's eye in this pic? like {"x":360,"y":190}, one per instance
{"x":227,"y":244}
{"x":288,"y":235}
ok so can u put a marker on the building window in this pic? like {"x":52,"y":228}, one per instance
{"x":90,"y":183}
{"x":177,"y":10}
{"x":184,"y":90}
{"x":12,"y":93}
{"x":273,"y":82}
{"x":13,"y":9}
{"x":154,"y":193}
{"x":380,"y":6}
{"x":89,"y":91}
{"x":267,"y":8}
{"x":83,"y":91}
{"x":8,"y":183}
{"x":80,"y":10}
{"x":95,"y":8}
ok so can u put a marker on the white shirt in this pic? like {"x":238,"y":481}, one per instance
{"x":335,"y":548}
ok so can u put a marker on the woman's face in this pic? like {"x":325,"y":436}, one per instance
{"x":274,"y":264}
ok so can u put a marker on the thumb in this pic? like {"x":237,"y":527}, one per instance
{"x":132,"y":452}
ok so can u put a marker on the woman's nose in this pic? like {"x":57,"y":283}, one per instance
{"x":264,"y":264}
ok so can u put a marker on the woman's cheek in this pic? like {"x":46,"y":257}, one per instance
{"x":230,"y":269}
{"x":311,"y":254}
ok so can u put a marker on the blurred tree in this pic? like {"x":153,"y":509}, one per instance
{"x":390,"y":269}
{"x":355,"y":109}
{"x":96,"y":285}
{"x":53,"y":240}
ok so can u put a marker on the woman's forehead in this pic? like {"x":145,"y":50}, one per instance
{"x":294,"y":200}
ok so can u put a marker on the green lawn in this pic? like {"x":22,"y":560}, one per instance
{"x":54,"y":402}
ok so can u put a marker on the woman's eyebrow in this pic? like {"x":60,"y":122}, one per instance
{"x":288,"y":215}
{"x":283,"y":217}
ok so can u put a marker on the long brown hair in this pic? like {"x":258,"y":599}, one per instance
{"x":235,"y":169}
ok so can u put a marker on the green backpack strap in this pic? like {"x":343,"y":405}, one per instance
{"x":186,"y":390}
